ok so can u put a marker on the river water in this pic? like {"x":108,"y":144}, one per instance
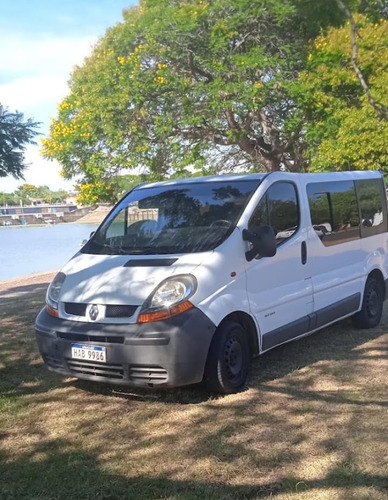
{"x":31,"y":249}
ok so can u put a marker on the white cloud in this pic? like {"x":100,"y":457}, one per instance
{"x":36,"y":73}
{"x":40,"y":48}
{"x":44,"y":56}
{"x":40,"y":172}
{"x":26,"y":93}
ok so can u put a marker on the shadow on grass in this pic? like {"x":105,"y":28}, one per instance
{"x":194,"y":394}
{"x":335,"y":397}
{"x":23,"y":289}
{"x":141,"y":430}
{"x":337,"y":342}
{"x":21,"y":362}
{"x":340,"y":342}
{"x":59,"y":470}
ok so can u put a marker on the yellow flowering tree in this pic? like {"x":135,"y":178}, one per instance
{"x":192,"y":85}
{"x":343,"y":129}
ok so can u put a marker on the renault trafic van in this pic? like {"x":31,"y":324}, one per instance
{"x":186,"y":280}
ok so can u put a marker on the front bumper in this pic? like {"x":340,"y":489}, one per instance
{"x":166,"y":353}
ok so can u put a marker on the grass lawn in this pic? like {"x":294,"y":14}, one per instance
{"x":312,"y":424}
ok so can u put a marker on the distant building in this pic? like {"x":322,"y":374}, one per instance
{"x":71,"y":199}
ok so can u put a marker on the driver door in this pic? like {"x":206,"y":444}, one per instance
{"x":280,"y":287}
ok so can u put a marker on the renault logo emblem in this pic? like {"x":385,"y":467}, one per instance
{"x":93,"y":312}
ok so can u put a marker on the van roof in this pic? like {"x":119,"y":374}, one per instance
{"x":307,"y":177}
{"x":203,"y":179}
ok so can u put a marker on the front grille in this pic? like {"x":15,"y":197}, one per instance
{"x":119,"y":311}
{"x":111,"y":311}
{"x":148,"y":374}
{"x":75,"y":309}
{"x":96,"y":370}
{"x":52,"y":362}
{"x":100,"y":339}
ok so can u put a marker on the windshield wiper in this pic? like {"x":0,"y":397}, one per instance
{"x":114,"y":250}
{"x":141,"y":250}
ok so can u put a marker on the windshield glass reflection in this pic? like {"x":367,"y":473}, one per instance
{"x":182,"y":218}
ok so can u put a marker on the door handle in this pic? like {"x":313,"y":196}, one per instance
{"x":304,"y":252}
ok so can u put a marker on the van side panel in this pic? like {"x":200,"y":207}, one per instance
{"x":280,"y":288}
{"x":287,"y":301}
{"x":222,"y":282}
{"x":346,"y":238}
{"x":337,"y":271}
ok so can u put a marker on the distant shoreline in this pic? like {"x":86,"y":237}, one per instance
{"x":95,"y":216}
{"x":49,"y":225}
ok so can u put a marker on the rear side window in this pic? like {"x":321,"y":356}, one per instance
{"x":372,"y":209}
{"x":334,"y":211}
{"x":278,"y":208}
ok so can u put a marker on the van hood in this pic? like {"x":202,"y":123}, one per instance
{"x":121,"y":279}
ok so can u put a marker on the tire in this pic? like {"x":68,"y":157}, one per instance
{"x":228,"y":360}
{"x":372,"y":305}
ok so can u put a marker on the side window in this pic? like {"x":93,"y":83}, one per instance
{"x":260,"y":215}
{"x":118,"y":226}
{"x":278,"y":208}
{"x":373,"y":214}
{"x":334,"y":211}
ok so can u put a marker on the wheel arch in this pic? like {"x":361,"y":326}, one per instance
{"x":230,"y":353}
{"x":246,"y":321}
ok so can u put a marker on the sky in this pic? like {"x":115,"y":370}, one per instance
{"x":41,"y":41}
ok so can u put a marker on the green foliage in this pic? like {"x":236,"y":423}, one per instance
{"x":197,"y":85}
{"x":28,"y":194}
{"x":106,"y":190}
{"x":374,"y":9}
{"x":15,"y":134}
{"x":7,"y":199}
{"x":208,"y":86}
{"x":343,"y":130}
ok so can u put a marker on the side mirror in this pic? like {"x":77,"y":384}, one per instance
{"x":263,"y":242}
{"x":83,"y":243}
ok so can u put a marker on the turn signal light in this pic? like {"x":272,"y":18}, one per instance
{"x":164,"y":313}
{"x":51,"y":311}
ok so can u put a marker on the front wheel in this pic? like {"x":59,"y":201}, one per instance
{"x":228,"y":359}
{"x":372,"y":305}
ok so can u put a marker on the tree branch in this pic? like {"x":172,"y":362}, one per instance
{"x":201,"y":134}
{"x":380,"y":109}
{"x":196,"y":70}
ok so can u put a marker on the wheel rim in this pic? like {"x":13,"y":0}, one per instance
{"x":373,"y":304}
{"x":233,"y":358}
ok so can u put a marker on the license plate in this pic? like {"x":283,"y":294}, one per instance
{"x":88,"y":352}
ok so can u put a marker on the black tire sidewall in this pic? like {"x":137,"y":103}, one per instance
{"x":218,"y":376}
{"x":364,"y":319}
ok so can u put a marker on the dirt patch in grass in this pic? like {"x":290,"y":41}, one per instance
{"x":312,"y":423}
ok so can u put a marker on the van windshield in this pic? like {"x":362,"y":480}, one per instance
{"x":181,"y":218}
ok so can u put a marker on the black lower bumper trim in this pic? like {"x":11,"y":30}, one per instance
{"x":168,"y":353}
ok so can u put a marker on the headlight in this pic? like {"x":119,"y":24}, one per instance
{"x":53,"y":293}
{"x":169,"y":298}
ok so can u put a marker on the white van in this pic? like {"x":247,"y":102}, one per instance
{"x":186,"y":280}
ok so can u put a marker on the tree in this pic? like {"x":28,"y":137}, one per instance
{"x":380,"y":109}
{"x":29,"y":193}
{"x":8,"y":199}
{"x":111,"y":190}
{"x":15,"y":134}
{"x":344,"y":129}
{"x":189,"y":84}
{"x":58,"y":196}
{"x":26,"y":193}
